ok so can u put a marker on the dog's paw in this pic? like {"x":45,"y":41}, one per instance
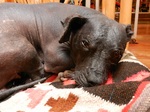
{"x":66,"y":75}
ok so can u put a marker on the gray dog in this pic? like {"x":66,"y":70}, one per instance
{"x":53,"y":37}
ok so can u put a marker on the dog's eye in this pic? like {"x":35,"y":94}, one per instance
{"x":85,"y":43}
{"x":116,"y":54}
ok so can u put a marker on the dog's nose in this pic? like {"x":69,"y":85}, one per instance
{"x":88,"y":77}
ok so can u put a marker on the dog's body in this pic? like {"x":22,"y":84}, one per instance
{"x":54,"y":37}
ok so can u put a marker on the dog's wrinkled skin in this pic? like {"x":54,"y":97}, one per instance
{"x":54,"y":37}
{"x":95,"y":48}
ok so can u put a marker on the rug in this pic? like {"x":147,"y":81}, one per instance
{"x":126,"y":90}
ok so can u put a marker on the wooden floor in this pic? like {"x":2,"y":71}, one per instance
{"x":142,"y":49}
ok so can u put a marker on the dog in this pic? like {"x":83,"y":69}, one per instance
{"x":53,"y":37}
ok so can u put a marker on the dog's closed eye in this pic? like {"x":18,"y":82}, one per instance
{"x":117,"y":54}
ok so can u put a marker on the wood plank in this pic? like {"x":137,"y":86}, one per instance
{"x":142,"y":49}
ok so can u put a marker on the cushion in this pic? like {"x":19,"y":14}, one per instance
{"x":127,"y":89}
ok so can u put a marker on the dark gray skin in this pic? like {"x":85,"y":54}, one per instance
{"x":53,"y":37}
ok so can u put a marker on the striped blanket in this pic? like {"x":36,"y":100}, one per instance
{"x":126,"y":90}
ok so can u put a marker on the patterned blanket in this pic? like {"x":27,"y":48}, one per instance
{"x":126,"y":90}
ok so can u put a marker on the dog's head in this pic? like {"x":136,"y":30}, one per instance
{"x":97,"y":43}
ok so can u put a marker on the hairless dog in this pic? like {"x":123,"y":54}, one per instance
{"x":53,"y":37}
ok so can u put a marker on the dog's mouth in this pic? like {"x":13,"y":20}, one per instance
{"x":89,"y":77}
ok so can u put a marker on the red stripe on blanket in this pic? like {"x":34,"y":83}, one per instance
{"x":69,"y":82}
{"x":137,"y":94}
{"x":138,"y":77}
{"x":51,"y":78}
{"x":109,"y":80}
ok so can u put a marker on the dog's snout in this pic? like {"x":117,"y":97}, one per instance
{"x":90,"y":77}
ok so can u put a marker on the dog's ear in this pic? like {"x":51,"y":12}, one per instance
{"x":72,"y":24}
{"x":129,"y":32}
